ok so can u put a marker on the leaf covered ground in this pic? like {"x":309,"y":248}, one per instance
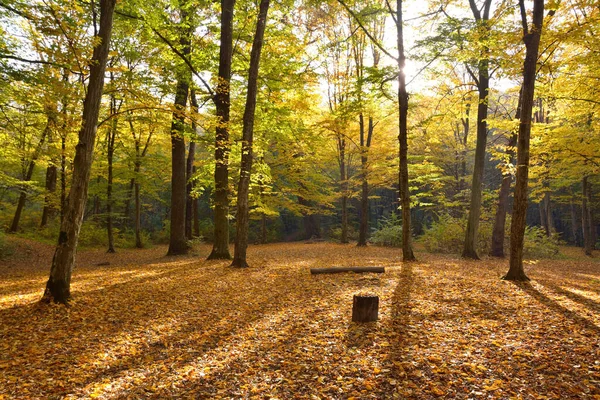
{"x":150,"y":326}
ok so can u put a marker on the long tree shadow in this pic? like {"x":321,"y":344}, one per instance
{"x":589,"y":303}
{"x":554,"y":306}
{"x":401,"y":333}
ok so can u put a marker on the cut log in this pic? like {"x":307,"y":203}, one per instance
{"x":365,"y":308}
{"x":335,"y":270}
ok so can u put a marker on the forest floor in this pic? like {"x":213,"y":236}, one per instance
{"x":152,"y":326}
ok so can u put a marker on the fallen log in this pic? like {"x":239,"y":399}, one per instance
{"x":335,"y":270}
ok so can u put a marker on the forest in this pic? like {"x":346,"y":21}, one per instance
{"x":149,"y":146}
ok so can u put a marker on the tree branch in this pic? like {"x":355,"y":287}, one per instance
{"x":373,"y":39}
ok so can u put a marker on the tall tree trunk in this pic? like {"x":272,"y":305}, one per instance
{"x":575,"y":223}
{"x":196,"y":212}
{"x":404,"y":192}
{"x":138,"y":217}
{"x":189,"y":171}
{"x":110,"y":143}
{"x":63,"y":147}
{"x":586,"y":217}
{"x":243,"y":214}
{"x":483,"y":85}
{"x":517,"y":228}
{"x":497,"y":249}
{"x":49,"y":209}
{"x":63,"y":175}
{"x":177,"y":242}
{"x":548,"y":214}
{"x":263,"y":229}
{"x":14,"y":227}
{"x":593,"y":230}
{"x":220,"y":248}
{"x":128,"y":197}
{"x":364,"y":198}
{"x":58,"y":287}
{"x":343,"y":186}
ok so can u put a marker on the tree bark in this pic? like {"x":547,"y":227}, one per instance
{"x":243,"y":212}
{"x":497,"y":249}
{"x":59,"y":282}
{"x":586,"y":217}
{"x":14,"y":227}
{"x":364,"y":199}
{"x":575,"y":223}
{"x":483,"y":85}
{"x":517,"y":228}
{"x":220,"y":248}
{"x":195,"y":212}
{"x":178,"y":243}
{"x":341,"y":143}
{"x":365,"y":308}
{"x":49,"y":209}
{"x":189,"y":170}
{"x":548,"y":214}
{"x":404,"y":192}
{"x":111,"y":136}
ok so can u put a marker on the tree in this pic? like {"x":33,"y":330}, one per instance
{"x":59,"y":282}
{"x":483,"y":84}
{"x":531,"y":38}
{"x":178,"y":243}
{"x":242,"y":216}
{"x":222,"y":96}
{"x":407,"y":252}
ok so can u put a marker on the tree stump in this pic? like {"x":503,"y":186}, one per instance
{"x":365,"y":308}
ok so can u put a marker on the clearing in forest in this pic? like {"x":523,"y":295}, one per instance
{"x":161,"y":327}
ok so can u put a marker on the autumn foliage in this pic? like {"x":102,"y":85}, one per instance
{"x":146,"y":325}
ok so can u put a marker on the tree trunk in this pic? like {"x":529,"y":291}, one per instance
{"x":404,"y":192}
{"x":364,"y":199}
{"x":58,"y":287}
{"x":575,"y":224}
{"x":263,"y":229}
{"x":49,"y":209}
{"x":543,"y":220}
{"x":178,"y":243}
{"x":517,"y":228}
{"x":586,"y":217}
{"x":195,"y":212}
{"x":593,"y":230}
{"x":111,"y":136}
{"x":483,"y":84}
{"x":243,"y":214}
{"x":189,"y":170}
{"x":343,"y":186}
{"x":138,"y":217}
{"x":548,"y":214}
{"x":220,"y":248}
{"x":14,"y":227}
{"x":497,"y":249}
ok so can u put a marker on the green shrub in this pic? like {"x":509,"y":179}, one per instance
{"x":388,"y":233}
{"x":336,"y":233}
{"x":539,"y":245}
{"x":446,"y":235}
{"x":5,"y":248}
